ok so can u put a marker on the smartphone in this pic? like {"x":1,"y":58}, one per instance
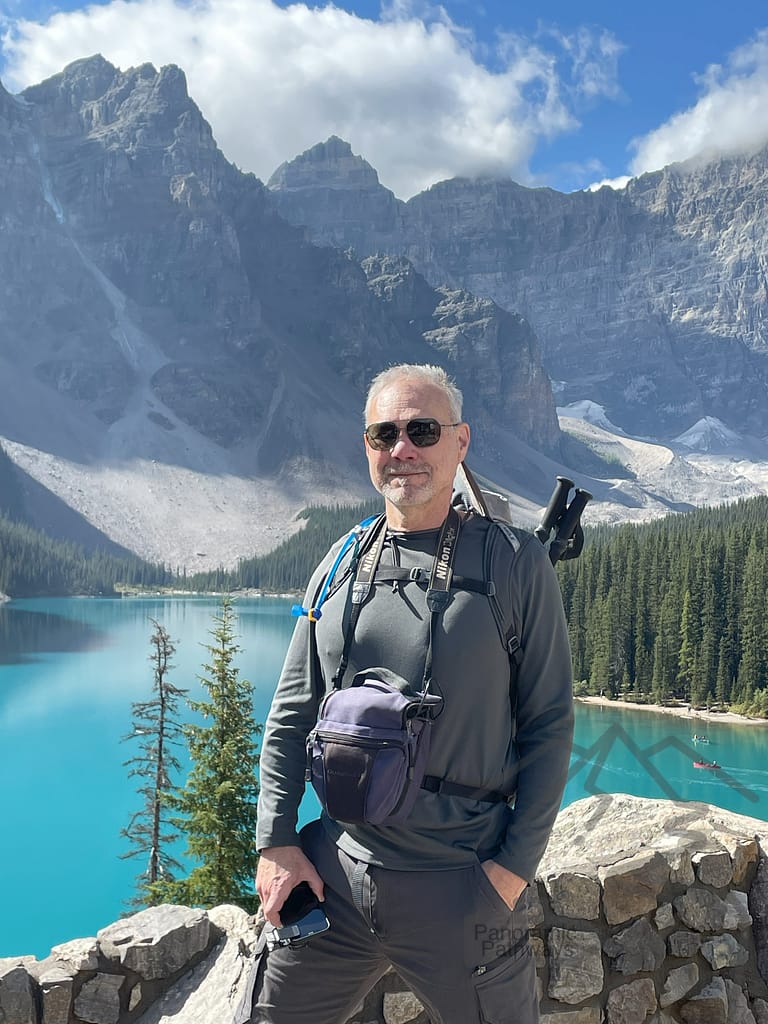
{"x":302,"y":916}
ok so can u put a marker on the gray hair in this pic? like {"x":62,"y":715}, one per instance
{"x":422,"y":373}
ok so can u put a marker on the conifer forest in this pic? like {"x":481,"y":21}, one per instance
{"x":674,"y":610}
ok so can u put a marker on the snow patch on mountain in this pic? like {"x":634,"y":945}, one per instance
{"x":710,"y":435}
{"x":591,"y":412}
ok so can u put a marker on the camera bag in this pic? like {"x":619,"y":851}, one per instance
{"x":367,"y":755}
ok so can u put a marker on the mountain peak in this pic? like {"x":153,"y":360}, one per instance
{"x":329,"y":164}
{"x":709,"y":434}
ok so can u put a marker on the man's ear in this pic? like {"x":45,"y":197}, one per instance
{"x":463,"y":435}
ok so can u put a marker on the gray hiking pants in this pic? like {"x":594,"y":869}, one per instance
{"x":448,"y":934}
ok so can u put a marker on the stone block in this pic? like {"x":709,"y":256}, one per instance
{"x":636,"y":948}
{"x":713,"y":868}
{"x":760,"y":1010}
{"x":724,"y":951}
{"x":758,"y":907}
{"x":157,"y":942}
{"x":680,"y":867}
{"x":575,"y":965}
{"x":584,"y":1015}
{"x":78,"y":955}
{"x":401,"y":1008}
{"x":17,"y":991}
{"x":219,"y":988}
{"x":738,"y":1004}
{"x":632,"y":886}
{"x":99,"y":999}
{"x":684,"y":944}
{"x":574,"y":895}
{"x":710,"y":1006}
{"x":737,"y":915}
{"x":744,"y":853}
{"x":631,"y":1004}
{"x":57,"y":986}
{"x":664,"y":917}
{"x":680,"y":981}
{"x":704,"y":911}
{"x":534,"y":907}
{"x":539,"y":952}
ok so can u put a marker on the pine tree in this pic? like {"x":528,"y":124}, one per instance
{"x":156,"y":726}
{"x":217,"y":806}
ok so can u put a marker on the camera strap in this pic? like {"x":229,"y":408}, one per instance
{"x":438,"y":591}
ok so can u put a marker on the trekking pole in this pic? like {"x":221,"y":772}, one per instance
{"x":569,"y":537}
{"x":554,"y":510}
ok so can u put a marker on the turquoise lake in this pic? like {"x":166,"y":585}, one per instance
{"x":70,"y":669}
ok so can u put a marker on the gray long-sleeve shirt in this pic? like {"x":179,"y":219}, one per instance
{"x":482,"y":738}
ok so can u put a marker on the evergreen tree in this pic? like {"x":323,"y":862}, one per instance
{"x":217,"y":806}
{"x":156,"y":726}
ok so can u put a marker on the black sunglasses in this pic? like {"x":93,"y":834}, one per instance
{"x":422,"y":432}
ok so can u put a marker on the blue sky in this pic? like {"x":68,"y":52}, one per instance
{"x":557,"y":93}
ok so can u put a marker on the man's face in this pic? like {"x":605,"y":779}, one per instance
{"x":417,"y":483}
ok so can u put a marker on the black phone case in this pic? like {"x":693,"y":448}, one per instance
{"x":299,"y":903}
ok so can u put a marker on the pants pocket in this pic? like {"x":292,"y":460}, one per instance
{"x":506,"y":987}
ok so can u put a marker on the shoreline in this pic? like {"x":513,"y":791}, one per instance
{"x":694,"y":715}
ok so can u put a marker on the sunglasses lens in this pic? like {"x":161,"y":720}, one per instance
{"x":382,"y":436}
{"x":423,"y":433}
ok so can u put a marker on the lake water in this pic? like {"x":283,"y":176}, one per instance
{"x":70,"y":669}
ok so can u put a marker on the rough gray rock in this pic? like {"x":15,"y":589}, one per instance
{"x":591,"y":272}
{"x":636,"y":948}
{"x":714,"y":869}
{"x":710,"y":1006}
{"x":632,"y":886}
{"x":679,"y":982}
{"x":99,"y":999}
{"x":574,"y":895}
{"x":158,"y":942}
{"x":219,"y":988}
{"x":704,"y":911}
{"x":724,"y":951}
{"x":738,"y":1005}
{"x":631,"y":1004}
{"x":758,"y":908}
{"x":575,"y":965}
{"x":17,"y":998}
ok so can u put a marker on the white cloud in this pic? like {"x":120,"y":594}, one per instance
{"x":408,"y":92}
{"x":731,"y":115}
{"x":615,"y":183}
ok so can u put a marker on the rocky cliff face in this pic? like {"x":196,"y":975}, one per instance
{"x":157,"y":314}
{"x":651,"y":301}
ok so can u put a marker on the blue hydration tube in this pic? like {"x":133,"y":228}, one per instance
{"x":314,"y":613}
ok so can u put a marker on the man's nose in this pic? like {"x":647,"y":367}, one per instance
{"x":403,"y":448}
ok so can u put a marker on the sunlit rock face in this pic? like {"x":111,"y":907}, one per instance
{"x":651,"y":300}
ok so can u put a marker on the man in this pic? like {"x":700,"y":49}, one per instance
{"x":436,"y":896}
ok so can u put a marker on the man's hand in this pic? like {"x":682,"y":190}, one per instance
{"x":506,"y":883}
{"x":280,"y":870}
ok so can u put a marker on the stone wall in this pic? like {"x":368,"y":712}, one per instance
{"x":643,"y":911}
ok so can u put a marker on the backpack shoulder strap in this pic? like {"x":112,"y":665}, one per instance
{"x":503,"y":532}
